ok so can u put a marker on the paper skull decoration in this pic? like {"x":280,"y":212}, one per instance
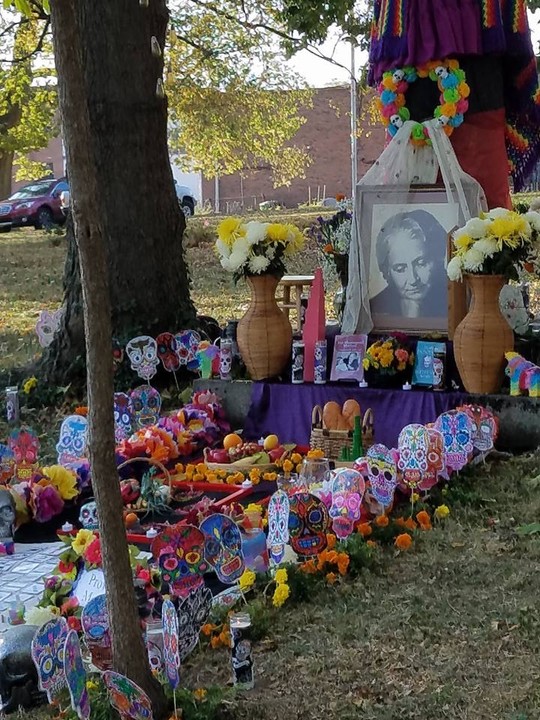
{"x":348,"y":487}
{"x":142,"y":354}
{"x":7,"y":464}
{"x":167,"y":347}
{"x":278,"y":525}
{"x":122,"y":417}
{"x":223,"y":547}
{"x":95,"y":627}
{"x":75,"y":674}
{"x":127,"y":698}
{"x":486,"y":428}
{"x":413,"y":446}
{"x":171,"y":652}
{"x":188,"y":342}
{"x":48,"y":656}
{"x":179,"y":554}
{"x":193,"y":612}
{"x":72,"y":443}
{"x":457,"y":430}
{"x":7,"y":520}
{"x":155,"y":658}
{"x":381,"y":473}
{"x":308,"y":524}
{"x":145,"y":404}
{"x":47,"y":325}
{"x":24,"y":445}
{"x":436,"y":463}
{"x":88,"y":516}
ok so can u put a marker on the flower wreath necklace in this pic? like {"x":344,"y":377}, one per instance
{"x":451,"y":81}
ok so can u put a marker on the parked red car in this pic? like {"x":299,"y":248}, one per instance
{"x":36,"y":204}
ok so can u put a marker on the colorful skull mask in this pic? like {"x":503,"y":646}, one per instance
{"x":278,"y":525}
{"x":188,"y":342}
{"x":145,"y":404}
{"x":47,"y":326}
{"x":142,"y":354}
{"x":457,"y":430}
{"x":348,"y":487}
{"x":122,"y":417}
{"x":193,"y":612}
{"x":75,"y":673}
{"x":7,"y":464}
{"x":413,"y":446}
{"x":88,"y":516}
{"x":24,"y":445}
{"x":223,"y":547}
{"x":436,"y":463}
{"x":167,"y":347}
{"x":48,"y":656}
{"x":486,"y":427}
{"x":381,"y":471}
{"x":308,"y":524}
{"x":127,"y":698}
{"x":71,"y":446}
{"x":95,"y":621}
{"x":179,"y":553}
{"x":171,"y":654}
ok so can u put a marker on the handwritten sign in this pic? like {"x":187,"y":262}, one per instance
{"x":91,"y":583}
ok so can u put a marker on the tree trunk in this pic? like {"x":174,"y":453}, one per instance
{"x":6,"y":171}
{"x":107,"y":79}
{"x":136,"y":203}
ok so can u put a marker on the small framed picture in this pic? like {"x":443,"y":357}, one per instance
{"x":349,"y":351}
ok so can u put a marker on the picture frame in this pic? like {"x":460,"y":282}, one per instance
{"x":349,"y":352}
{"x":408,"y":287}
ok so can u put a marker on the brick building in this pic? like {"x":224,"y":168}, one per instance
{"x":327,"y":136}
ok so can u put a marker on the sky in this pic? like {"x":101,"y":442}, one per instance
{"x":321,"y":73}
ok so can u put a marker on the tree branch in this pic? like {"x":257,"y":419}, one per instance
{"x":38,"y":48}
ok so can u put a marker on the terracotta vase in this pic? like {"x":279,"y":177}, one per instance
{"x":483,"y":337}
{"x":264,"y":333}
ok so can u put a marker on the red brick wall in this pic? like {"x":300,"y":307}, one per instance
{"x":326,"y":135}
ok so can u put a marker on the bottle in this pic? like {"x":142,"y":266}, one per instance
{"x":16,"y":612}
{"x":241,"y":655}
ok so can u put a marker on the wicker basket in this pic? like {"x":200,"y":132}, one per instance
{"x":154,"y":463}
{"x":331,"y":442}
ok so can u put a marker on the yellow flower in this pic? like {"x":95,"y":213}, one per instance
{"x":83,"y":539}
{"x":295,"y":239}
{"x":281,"y":593}
{"x":91,"y":685}
{"x":64,"y":480}
{"x":254,"y":508}
{"x":415,"y":497}
{"x":315,"y":454}
{"x":29,"y":385}
{"x":277,"y":232}
{"x":365,"y":363}
{"x":230,"y":230}
{"x":462,"y":242}
{"x":441,"y":512}
{"x":247,"y":580}
{"x":281,"y":576}
{"x":199,"y":694}
{"x":287,"y":466}
{"x":296,"y":458}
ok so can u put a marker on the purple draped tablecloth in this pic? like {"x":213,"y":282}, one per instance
{"x":286,"y":409}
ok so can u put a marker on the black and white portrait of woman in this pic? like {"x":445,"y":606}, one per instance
{"x":410,"y":251}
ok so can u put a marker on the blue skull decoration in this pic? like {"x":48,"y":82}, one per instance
{"x":122,"y":417}
{"x":223,"y":547}
{"x":71,"y":446}
{"x":145,"y":404}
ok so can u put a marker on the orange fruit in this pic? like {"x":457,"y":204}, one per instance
{"x":231,"y":440}
{"x":130,"y":520}
{"x":271,"y":442}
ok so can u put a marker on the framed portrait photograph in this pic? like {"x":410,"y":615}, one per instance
{"x":408,"y":238}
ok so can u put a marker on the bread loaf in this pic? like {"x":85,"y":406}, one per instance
{"x":351,"y":409}
{"x":332,"y":417}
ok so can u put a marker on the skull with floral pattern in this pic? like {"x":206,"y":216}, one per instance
{"x":145,"y":404}
{"x":223,"y":547}
{"x":348,"y":487}
{"x":142,"y":354}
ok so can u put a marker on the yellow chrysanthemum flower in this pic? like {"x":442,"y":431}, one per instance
{"x":281,"y":593}
{"x":281,"y":576}
{"x":277,"y":232}
{"x":247,"y":580}
{"x":296,"y":240}
{"x":441,"y":512}
{"x":64,"y":480}
{"x":463,"y":242}
{"x":83,"y":539}
{"x":230,"y":230}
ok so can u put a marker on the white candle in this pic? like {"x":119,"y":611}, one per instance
{"x":362,"y":384}
{"x":247,"y":484}
{"x":151,"y":533}
{"x":407,"y":386}
{"x":67,"y":527}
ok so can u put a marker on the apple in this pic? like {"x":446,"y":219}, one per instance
{"x":276,"y":453}
{"x":218,"y":455}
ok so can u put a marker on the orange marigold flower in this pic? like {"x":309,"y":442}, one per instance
{"x":371,"y":544}
{"x":365,"y":529}
{"x":343,"y":563}
{"x":198,"y":477}
{"x":331,"y":556}
{"x":400,"y":522}
{"x":410,"y":524}
{"x":201,"y":467}
{"x":381,"y":521}
{"x":315,"y":454}
{"x":309,"y":567}
{"x":225,"y":638}
{"x":287,"y":466}
{"x":215,"y":642}
{"x":403,"y":541}
{"x":296,"y":458}
{"x":424,"y":520}
{"x":81,"y":410}
{"x":299,"y":467}
{"x":330,"y":541}
{"x":331,"y":578}
{"x":179,"y":468}
{"x":207,"y":629}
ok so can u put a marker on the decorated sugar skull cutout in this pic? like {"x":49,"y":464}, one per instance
{"x":48,"y":656}
{"x":179,"y":553}
{"x":145,"y":404}
{"x":127,"y":698}
{"x":436,"y":462}
{"x":47,"y":325}
{"x":76,"y":676}
{"x":398,"y":75}
{"x":142,"y":354}
{"x":308,"y":524}
{"x":24,"y":445}
{"x":88,"y":516}
{"x":188,"y":343}
{"x":413,"y":447}
{"x":72,"y":443}
{"x":122,"y":417}
{"x":486,"y":427}
{"x":348,"y":487}
{"x":155,"y":658}
{"x":7,"y":464}
{"x":381,"y":474}
{"x":278,"y":525}
{"x":223,"y":547}
{"x":167,"y":347}
{"x":457,"y":430}
{"x":193,"y":612}
{"x":95,"y":619}
{"x":441,"y":72}
{"x":171,"y":653}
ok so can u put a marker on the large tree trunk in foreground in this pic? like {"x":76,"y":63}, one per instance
{"x":136,"y":204}
{"x":107,"y":80}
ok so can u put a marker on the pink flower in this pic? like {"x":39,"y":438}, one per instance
{"x":46,"y":502}
{"x":402,"y":355}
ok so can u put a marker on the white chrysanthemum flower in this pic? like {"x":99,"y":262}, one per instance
{"x":533,"y":218}
{"x":473,"y":259}
{"x":255,"y":232}
{"x":237,"y":259}
{"x":240,"y":247}
{"x":222,"y":248}
{"x":487,"y":246}
{"x":476,"y":228}
{"x":455,"y":269}
{"x":497,"y":213}
{"x":258,"y":264}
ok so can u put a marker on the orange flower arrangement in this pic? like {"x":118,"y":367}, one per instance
{"x":403,"y":541}
{"x":424,"y":520}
